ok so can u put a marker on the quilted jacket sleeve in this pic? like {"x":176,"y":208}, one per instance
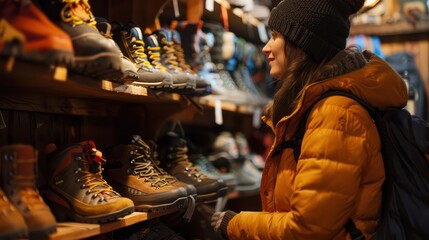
{"x":335,"y":151}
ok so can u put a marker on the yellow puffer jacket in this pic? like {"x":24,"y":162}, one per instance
{"x":340,"y":171}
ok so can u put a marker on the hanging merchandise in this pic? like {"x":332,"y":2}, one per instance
{"x":403,"y":63}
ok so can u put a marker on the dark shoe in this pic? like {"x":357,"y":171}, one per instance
{"x":160,"y":52}
{"x":201,"y":162}
{"x":129,"y":69}
{"x":173,"y":158}
{"x":131,"y":171}
{"x":94,"y":54}
{"x":18,"y":166}
{"x":190,"y":189}
{"x":77,"y":189}
{"x":202,"y":87}
{"x":28,"y":34}
{"x":149,"y":230}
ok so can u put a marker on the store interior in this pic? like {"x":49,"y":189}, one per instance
{"x":159,"y":102}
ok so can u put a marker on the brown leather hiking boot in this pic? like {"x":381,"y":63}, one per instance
{"x":27,"y":33}
{"x":173,"y":157}
{"x":77,"y":189}
{"x":132,"y":172}
{"x":12,"y":224}
{"x":18,"y":164}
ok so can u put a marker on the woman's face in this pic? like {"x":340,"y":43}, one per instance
{"x":275,"y":52}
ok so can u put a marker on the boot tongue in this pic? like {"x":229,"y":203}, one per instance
{"x":168,"y":35}
{"x":104,"y":28}
{"x":25,"y":158}
{"x":136,"y":34}
{"x":92,"y":156}
{"x":176,"y":36}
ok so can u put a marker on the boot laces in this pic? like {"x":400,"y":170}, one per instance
{"x":145,"y":168}
{"x":153,"y":156}
{"x":181,"y":157}
{"x":155,"y":57}
{"x":94,"y":181}
{"x":137,"y":49}
{"x":170,"y":58}
{"x":67,"y":15}
{"x":180,"y":56}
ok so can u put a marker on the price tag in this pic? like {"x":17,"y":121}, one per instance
{"x":218,"y":112}
{"x":210,"y":5}
{"x":107,"y":85}
{"x":60,"y":74}
{"x":176,"y":8}
{"x":256,"y":118}
{"x":262,"y":32}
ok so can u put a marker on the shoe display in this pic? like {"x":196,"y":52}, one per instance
{"x":131,"y":43}
{"x":12,"y":224}
{"x":202,"y":87}
{"x":28,"y":34}
{"x":225,"y":156}
{"x":129,"y":70}
{"x":244,"y":150}
{"x":172,"y":155}
{"x":168,"y":58}
{"x":77,"y":189}
{"x":138,"y":141}
{"x":201,"y":162}
{"x":131,"y":171}
{"x":95,"y":56}
{"x":189,"y":33}
{"x":18,"y":173}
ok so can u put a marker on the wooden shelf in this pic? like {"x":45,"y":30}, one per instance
{"x":74,"y":230}
{"x":400,"y":28}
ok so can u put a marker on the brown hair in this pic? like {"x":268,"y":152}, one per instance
{"x":300,"y":71}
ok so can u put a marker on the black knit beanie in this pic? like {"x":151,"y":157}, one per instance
{"x":319,"y":27}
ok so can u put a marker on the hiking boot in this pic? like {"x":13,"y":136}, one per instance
{"x":159,"y":54}
{"x":244,"y":150}
{"x":189,"y":33}
{"x":18,"y":170}
{"x":201,"y":162}
{"x":28,"y":34}
{"x":94,"y":54}
{"x":129,"y":70}
{"x":132,"y":172}
{"x":138,"y":141}
{"x":202,"y":87}
{"x":173,"y":158}
{"x":225,"y":156}
{"x":130,"y":41}
{"x":12,"y":224}
{"x":77,"y":190}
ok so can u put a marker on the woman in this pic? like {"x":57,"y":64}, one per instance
{"x":340,"y":172}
